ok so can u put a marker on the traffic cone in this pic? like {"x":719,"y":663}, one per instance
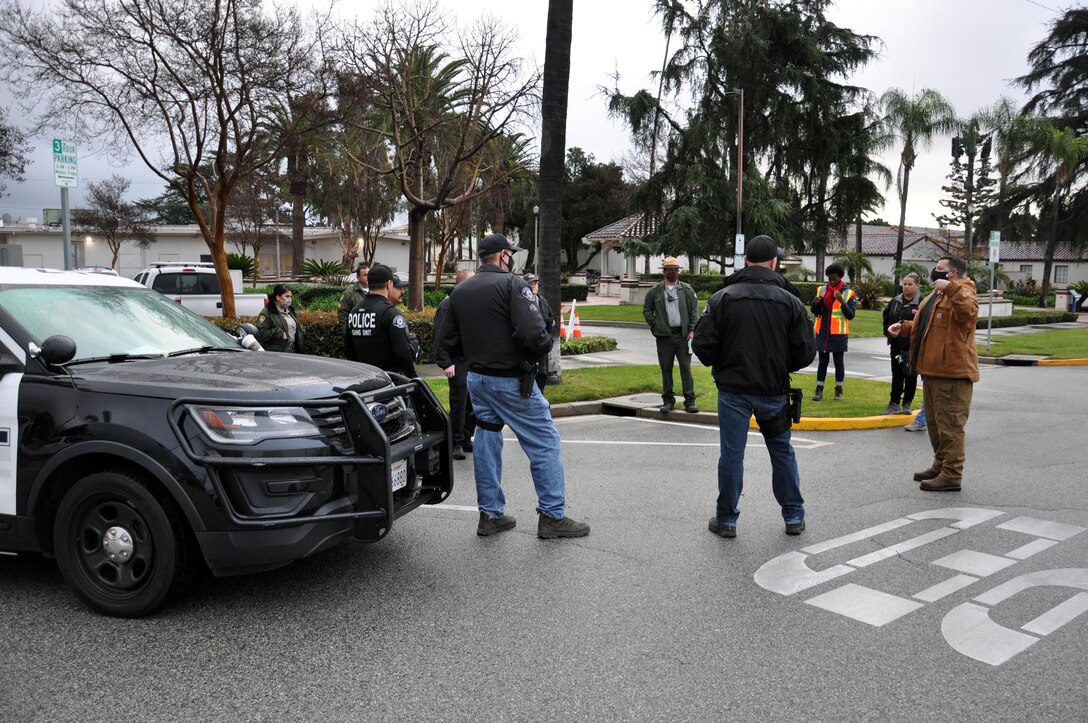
{"x":576,"y":327}
{"x":562,"y":328}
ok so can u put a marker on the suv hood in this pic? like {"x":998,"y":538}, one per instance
{"x":233,"y":375}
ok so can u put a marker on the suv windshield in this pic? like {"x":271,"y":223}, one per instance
{"x":110,"y":321}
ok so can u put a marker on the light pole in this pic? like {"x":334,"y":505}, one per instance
{"x":536,"y":238}
{"x":738,"y":248}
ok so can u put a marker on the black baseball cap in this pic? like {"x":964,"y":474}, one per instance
{"x":398,"y":280}
{"x":495,"y":243}
{"x":760,"y":249}
{"x":379,"y":276}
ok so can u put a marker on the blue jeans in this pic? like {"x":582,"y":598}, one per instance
{"x":498,"y":400}
{"x":734,"y":413}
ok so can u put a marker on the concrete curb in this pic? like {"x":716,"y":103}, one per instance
{"x":1017,"y":360}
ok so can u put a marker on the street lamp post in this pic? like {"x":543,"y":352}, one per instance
{"x":536,"y":238}
{"x":738,"y":248}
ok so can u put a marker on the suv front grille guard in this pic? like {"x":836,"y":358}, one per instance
{"x":363,"y":431}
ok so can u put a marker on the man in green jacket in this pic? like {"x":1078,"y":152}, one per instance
{"x":353,"y":296}
{"x":671,"y":310}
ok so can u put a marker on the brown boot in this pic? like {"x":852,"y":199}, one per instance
{"x":939,"y":484}
{"x":819,"y":395}
{"x":838,"y":392}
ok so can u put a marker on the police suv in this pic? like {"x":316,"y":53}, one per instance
{"x":138,"y":441}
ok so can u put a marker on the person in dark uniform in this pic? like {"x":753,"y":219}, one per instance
{"x":462,"y":420}
{"x":549,"y":322}
{"x":278,"y":327}
{"x":754,"y":334}
{"x":494,"y":323}
{"x":377,"y":333}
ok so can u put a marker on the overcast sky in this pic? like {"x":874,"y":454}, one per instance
{"x":968,"y":50}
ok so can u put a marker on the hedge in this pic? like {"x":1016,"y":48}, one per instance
{"x":587,"y":345}
{"x":323,"y":337}
{"x":1024,"y":317}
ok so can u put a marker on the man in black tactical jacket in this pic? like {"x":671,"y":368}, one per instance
{"x":494,"y":323}
{"x":754,"y":333}
{"x":377,"y":333}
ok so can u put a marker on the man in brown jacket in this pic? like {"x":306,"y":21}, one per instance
{"x":942,"y":350}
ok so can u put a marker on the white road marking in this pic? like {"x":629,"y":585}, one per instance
{"x":864,"y":604}
{"x":1041,"y":528}
{"x":457,"y":508}
{"x":943,"y":589}
{"x":979,"y":564}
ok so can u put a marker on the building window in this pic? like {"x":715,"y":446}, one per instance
{"x":1061,"y":274}
{"x":1025,"y":269}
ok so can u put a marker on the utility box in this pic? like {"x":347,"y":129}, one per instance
{"x":11,"y":255}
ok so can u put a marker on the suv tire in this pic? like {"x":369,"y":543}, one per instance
{"x":122,"y":548}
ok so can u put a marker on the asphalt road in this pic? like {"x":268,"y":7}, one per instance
{"x":955,"y":606}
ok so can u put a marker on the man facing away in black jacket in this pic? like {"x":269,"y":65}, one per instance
{"x":754,"y":333}
{"x":493,"y":322}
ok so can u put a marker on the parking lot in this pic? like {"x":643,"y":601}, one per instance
{"x":894,"y":602}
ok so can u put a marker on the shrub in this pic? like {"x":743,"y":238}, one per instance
{"x":572,"y":292}
{"x":323,"y":337}
{"x":807,"y":290}
{"x":434,"y":298}
{"x":587,"y":345}
{"x":869,"y":291}
{"x":1025,"y":317}
{"x":328,"y":272}
{"x":329,"y":302}
{"x":699,"y":282}
{"x":307,"y":294}
{"x":1021,"y":300}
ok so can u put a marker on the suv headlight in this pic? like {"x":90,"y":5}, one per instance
{"x":249,"y":425}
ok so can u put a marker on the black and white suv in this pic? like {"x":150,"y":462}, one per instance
{"x":138,"y":441}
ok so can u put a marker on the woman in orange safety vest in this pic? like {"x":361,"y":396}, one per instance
{"x":834,"y":307}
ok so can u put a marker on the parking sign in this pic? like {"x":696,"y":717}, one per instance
{"x":64,"y":163}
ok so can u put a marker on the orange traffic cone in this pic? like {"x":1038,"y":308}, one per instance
{"x":576,"y":327}
{"x":562,"y":328}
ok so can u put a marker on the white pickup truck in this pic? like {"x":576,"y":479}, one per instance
{"x":196,"y":287}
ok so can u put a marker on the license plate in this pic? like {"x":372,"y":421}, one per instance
{"x":400,"y":474}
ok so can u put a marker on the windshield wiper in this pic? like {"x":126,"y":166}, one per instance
{"x":113,"y":358}
{"x":203,"y":350}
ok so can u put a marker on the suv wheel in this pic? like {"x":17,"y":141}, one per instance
{"x":122,"y":548}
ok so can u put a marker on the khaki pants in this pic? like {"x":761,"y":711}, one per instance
{"x":948,"y":404}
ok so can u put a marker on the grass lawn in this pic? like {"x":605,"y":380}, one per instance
{"x":862,"y":397}
{"x":1057,"y":344}
{"x":865,"y":324}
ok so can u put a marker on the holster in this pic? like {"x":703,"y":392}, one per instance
{"x":796,"y":395}
{"x":527,"y":378}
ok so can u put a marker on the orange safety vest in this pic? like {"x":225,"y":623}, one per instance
{"x":839,"y":323}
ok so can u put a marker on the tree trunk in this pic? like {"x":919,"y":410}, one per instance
{"x":1051,"y":245}
{"x":902,"y":223}
{"x":553,"y":140}
{"x":417,"y":227}
{"x":857,"y":235}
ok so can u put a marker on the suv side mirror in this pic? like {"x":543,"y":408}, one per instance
{"x":57,"y":350}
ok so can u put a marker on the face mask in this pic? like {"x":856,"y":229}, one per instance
{"x":672,"y":276}
{"x":936,"y":275}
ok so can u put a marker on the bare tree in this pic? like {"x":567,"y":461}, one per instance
{"x":441,"y":103}
{"x":113,"y":218}
{"x":253,"y":215}
{"x":184,"y":84}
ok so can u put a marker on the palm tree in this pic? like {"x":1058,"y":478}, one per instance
{"x":856,"y":263}
{"x":1011,"y":132}
{"x":1066,"y":150}
{"x":914,"y":120}
{"x":553,"y":144}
